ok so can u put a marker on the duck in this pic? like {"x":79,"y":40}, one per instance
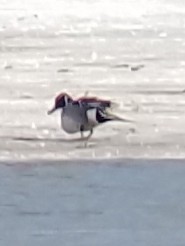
{"x":84,"y":114}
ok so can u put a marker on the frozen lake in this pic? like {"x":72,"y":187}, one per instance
{"x":127,"y":186}
{"x":131,"y":52}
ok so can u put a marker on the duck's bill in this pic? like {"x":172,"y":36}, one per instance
{"x":51,"y":110}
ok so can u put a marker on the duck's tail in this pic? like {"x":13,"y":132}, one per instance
{"x":103,"y":116}
{"x":114,"y":117}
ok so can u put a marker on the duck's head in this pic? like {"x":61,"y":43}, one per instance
{"x":61,"y":101}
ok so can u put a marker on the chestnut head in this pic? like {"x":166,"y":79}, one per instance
{"x":60,"y":102}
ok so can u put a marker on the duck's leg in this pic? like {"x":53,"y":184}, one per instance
{"x":82,"y":135}
{"x":90,"y":134}
{"x":88,"y":137}
{"x":82,"y":132}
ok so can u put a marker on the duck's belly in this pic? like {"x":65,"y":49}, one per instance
{"x":69,"y":125}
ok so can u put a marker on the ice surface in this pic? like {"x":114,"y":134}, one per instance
{"x":129,"y":51}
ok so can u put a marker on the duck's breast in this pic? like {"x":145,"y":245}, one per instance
{"x":69,"y":125}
